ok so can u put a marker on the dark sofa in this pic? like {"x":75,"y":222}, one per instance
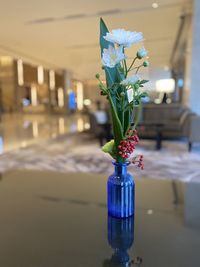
{"x":175,"y":122}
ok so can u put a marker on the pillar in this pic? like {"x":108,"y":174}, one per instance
{"x":195,"y":62}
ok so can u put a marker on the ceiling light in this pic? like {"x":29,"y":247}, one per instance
{"x":155,"y":5}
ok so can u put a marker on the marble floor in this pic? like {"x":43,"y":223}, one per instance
{"x":60,"y":143}
{"x":22,"y":130}
{"x":80,"y":153}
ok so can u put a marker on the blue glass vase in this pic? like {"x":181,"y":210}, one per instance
{"x":121,"y":192}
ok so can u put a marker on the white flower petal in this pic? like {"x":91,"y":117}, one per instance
{"x":131,"y":80}
{"x":111,"y":56}
{"x":123,"y":37}
{"x":130,"y":95}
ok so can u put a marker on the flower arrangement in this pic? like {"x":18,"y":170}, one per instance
{"x":123,"y":89}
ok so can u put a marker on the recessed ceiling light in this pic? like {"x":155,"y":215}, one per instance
{"x":155,"y":5}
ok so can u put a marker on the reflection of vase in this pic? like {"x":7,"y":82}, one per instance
{"x":121,"y":192}
{"x":120,"y":238}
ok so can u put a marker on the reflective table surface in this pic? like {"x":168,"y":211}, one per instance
{"x":51,"y":219}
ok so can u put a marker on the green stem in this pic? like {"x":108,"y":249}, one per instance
{"x":105,"y":89}
{"x":132,"y":64}
{"x":125,"y":65}
{"x":138,"y":116}
{"x":137,"y":68}
{"x":126,"y":71}
{"x":123,"y":114}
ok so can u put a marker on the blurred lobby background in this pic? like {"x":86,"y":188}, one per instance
{"x":53,"y":122}
{"x":49,"y":55}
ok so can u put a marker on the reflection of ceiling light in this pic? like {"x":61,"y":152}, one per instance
{"x":155,"y":5}
{"x":35,"y":129}
{"x":61,"y":97}
{"x":33,"y":95}
{"x":61,"y":124}
{"x":80,"y":125}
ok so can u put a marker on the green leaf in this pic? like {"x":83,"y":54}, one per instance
{"x":112,"y":74}
{"x":126,"y":120}
{"x":109,"y":148}
{"x":117,"y":127}
{"x":144,"y":81}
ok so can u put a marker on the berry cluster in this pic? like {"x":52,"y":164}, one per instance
{"x":139,"y":161}
{"x":127,"y":146}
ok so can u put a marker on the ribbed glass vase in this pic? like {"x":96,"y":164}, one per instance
{"x":121,"y":192}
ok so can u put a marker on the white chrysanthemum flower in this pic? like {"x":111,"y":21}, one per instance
{"x":142,"y":52}
{"x":131,"y":80}
{"x":130,"y":95}
{"x":112,"y":56}
{"x":123,"y":37}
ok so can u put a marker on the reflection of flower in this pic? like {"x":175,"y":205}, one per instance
{"x":124,"y":38}
{"x":131,"y":80}
{"x":142,"y":52}
{"x":130,"y":95}
{"x":112,"y":56}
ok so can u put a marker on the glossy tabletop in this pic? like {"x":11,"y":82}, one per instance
{"x":51,"y":219}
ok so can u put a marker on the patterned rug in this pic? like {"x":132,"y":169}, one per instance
{"x":78,"y":153}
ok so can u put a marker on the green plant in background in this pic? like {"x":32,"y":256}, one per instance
{"x":123,"y":89}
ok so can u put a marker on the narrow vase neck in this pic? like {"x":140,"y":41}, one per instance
{"x":120,"y":168}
